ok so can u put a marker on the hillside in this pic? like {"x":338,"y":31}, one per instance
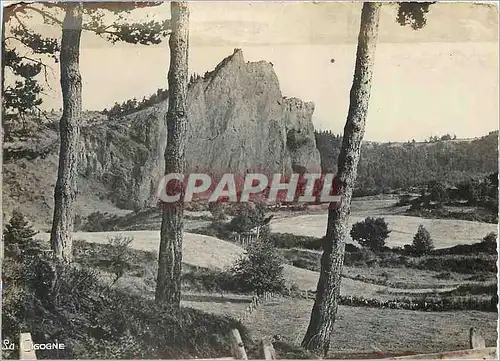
{"x":238,"y":120}
{"x":401,"y":165}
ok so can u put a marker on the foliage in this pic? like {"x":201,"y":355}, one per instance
{"x":490,"y":242}
{"x":371,"y":233}
{"x":133,"y":105}
{"x":18,"y":237}
{"x":218,"y":211}
{"x":413,"y":13}
{"x":96,"y":322}
{"x":119,"y":257}
{"x":384,"y":166}
{"x":289,"y":240}
{"x":25,"y":52}
{"x":100,"y":222}
{"x":260,"y":271}
{"x":425,"y":303}
{"x":209,"y":280}
{"x":248,"y":215}
{"x":437,"y":192}
{"x":404,"y":200}
{"x":480,"y":192}
{"x":422,"y":242}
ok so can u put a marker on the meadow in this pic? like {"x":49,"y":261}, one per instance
{"x":358,"y":330}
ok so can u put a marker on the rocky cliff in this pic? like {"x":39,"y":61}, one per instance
{"x":238,"y":120}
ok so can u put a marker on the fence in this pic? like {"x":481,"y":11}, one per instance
{"x":255,"y":302}
{"x":477,"y":350}
{"x":245,"y":238}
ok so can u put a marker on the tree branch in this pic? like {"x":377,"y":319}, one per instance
{"x":45,"y":67}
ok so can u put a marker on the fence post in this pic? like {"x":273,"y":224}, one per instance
{"x":238,"y":348}
{"x":476,"y":341}
{"x":26,"y":351}
{"x":267,"y":350}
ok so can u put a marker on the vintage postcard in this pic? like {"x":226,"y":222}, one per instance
{"x":249,"y":180}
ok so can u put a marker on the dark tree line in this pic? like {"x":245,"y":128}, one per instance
{"x":133,"y":105}
{"x":477,"y":191}
{"x":386,"y":166}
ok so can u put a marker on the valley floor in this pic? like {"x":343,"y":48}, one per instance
{"x":357,"y":329}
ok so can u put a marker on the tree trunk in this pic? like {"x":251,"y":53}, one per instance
{"x":69,"y":130}
{"x":1,"y":140}
{"x":168,"y":287}
{"x":317,"y":338}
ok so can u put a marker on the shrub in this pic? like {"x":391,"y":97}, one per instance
{"x":289,"y":240}
{"x":260,"y":271}
{"x":218,"y":211}
{"x":18,"y":237}
{"x":99,"y":222}
{"x":371,"y":233}
{"x":425,"y":303}
{"x":490,"y":242}
{"x":471,"y":264}
{"x":119,"y":257}
{"x":95,"y":322}
{"x":247,"y":216}
{"x":404,"y":200}
{"x":422,"y":242}
{"x":213,"y":281}
{"x":437,"y":192}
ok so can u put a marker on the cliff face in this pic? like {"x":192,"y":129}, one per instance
{"x":238,"y":120}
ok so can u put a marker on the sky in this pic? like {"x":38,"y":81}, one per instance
{"x":441,"y":79}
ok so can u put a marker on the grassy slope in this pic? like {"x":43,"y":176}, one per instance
{"x":444,"y":232}
{"x":356,"y":330}
{"x":369,"y":330}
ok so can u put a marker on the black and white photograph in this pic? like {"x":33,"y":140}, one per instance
{"x":249,"y":180}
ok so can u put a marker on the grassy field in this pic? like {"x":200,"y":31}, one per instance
{"x":367,"y":330}
{"x":357,"y":329}
{"x":197,"y":250}
{"x":408,"y":278}
{"x":444,"y":232}
{"x":210,"y":252}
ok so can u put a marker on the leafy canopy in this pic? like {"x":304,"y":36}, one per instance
{"x":371,"y":233}
{"x":25,"y":51}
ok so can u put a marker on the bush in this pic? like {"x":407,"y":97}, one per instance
{"x":218,"y":211}
{"x":119,"y":257}
{"x":203,"y":279}
{"x":425,"y":303}
{"x":404,"y":200}
{"x":422,"y":242}
{"x":471,"y":264}
{"x":97,"y":323}
{"x":18,"y":237}
{"x":490,"y":242}
{"x":260,"y":271}
{"x":371,"y":233}
{"x":248,"y":215}
{"x":289,"y":240}
{"x":99,"y":222}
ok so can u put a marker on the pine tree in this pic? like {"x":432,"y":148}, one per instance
{"x":323,"y":314}
{"x":422,"y":242}
{"x":18,"y":236}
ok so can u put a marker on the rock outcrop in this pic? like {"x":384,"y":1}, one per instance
{"x":238,"y":120}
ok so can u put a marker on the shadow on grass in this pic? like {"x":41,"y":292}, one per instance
{"x":212,"y":298}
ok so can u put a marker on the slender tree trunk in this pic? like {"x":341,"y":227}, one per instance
{"x":69,"y":130}
{"x":317,"y":338}
{"x":168,"y":288}
{"x":1,"y":141}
